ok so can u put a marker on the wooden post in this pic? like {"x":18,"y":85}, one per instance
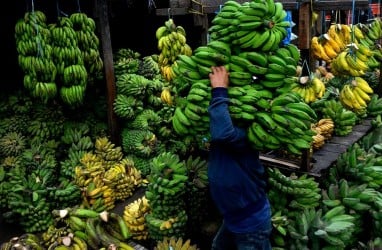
{"x":102,"y":12}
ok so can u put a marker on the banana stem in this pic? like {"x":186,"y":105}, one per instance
{"x":269,"y":23}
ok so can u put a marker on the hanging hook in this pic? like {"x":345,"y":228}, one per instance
{"x":78,"y":6}
{"x":169,"y":13}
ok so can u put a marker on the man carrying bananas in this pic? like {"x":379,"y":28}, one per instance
{"x":236,"y":177}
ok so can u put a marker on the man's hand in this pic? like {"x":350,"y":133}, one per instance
{"x":219,"y":77}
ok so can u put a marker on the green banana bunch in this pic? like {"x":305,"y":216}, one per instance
{"x":344,"y":120}
{"x":171,"y":43}
{"x":35,"y":55}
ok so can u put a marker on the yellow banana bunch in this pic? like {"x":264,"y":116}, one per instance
{"x":340,"y":33}
{"x":171,"y":43}
{"x":353,"y":98}
{"x":324,"y":127}
{"x":319,"y":51}
{"x":310,"y":88}
{"x":352,"y":61}
{"x":166,"y":96}
{"x":134,"y":215}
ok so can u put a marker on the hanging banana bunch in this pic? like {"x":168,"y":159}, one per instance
{"x":171,"y":43}
{"x":310,"y":88}
{"x":35,"y":55}
{"x":67,"y":56}
{"x":88,"y":42}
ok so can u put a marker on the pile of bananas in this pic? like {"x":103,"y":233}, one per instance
{"x":310,"y":88}
{"x":359,"y":164}
{"x":356,"y":95}
{"x":171,"y":43}
{"x":134,"y":214}
{"x":165,"y":190}
{"x":35,"y":55}
{"x":105,"y":176}
{"x":25,"y":241}
{"x":175,"y":244}
{"x":324,"y":129}
{"x":344,"y":119}
{"x":256,"y":25}
{"x":91,"y":230}
{"x":331,"y":228}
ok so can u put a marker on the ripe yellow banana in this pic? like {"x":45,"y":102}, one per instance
{"x":364,"y":85}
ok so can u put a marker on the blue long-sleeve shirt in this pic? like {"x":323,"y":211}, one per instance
{"x":235,"y":172}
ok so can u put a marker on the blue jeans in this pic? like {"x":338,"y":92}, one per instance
{"x":258,"y":240}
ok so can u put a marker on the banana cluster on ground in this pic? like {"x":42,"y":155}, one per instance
{"x":165,"y":191}
{"x":134,"y":214}
{"x":344,"y":119}
{"x":89,"y":229}
{"x":175,"y":244}
{"x":25,"y":241}
{"x":105,"y":176}
{"x":171,"y":43}
{"x":356,"y":95}
{"x":321,"y":229}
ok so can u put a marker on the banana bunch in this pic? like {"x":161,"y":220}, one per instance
{"x":198,"y":65}
{"x":310,"y":88}
{"x":371,"y":32}
{"x":356,"y":95}
{"x":286,"y":124}
{"x":167,"y":183}
{"x":251,"y":25}
{"x":281,"y":68}
{"x":279,"y":234}
{"x":304,"y":192}
{"x":171,"y":227}
{"x":327,"y":46}
{"x":25,"y":241}
{"x":324,"y":129}
{"x":93,"y":230}
{"x":192,"y":117}
{"x":34,"y":50}
{"x":67,"y":56}
{"x":175,"y":244}
{"x":88,"y":42}
{"x":344,"y":119}
{"x":357,"y":163}
{"x":374,"y":107}
{"x":166,"y":96}
{"x":171,"y":43}
{"x":359,"y":198}
{"x":332,"y":228}
{"x":352,"y":61}
{"x":134,"y":215}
